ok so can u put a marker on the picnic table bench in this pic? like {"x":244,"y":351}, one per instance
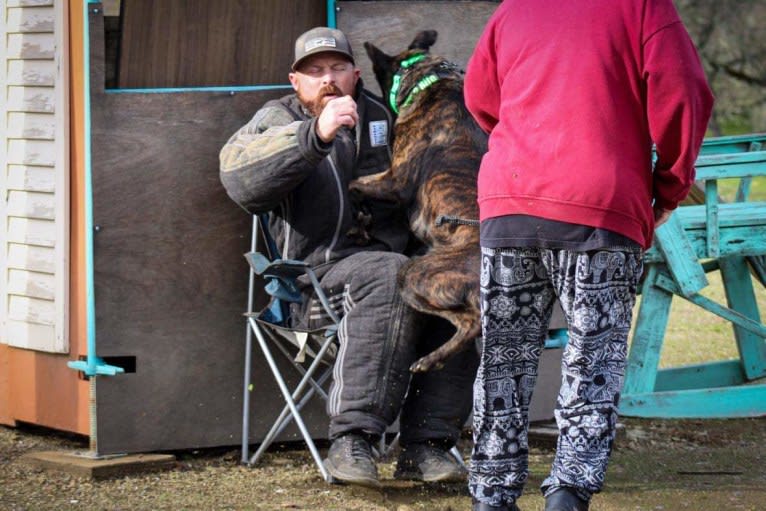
{"x":728,"y":237}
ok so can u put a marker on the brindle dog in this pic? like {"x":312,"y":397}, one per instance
{"x":436,"y":154}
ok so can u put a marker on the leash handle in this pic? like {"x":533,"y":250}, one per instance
{"x":454,"y":220}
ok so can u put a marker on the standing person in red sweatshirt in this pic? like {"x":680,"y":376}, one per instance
{"x":573,"y":95}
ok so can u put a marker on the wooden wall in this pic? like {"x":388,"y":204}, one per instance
{"x":184,"y":43}
{"x":37,"y":387}
{"x":35,"y":176}
{"x":391,"y":26}
{"x":170,"y":278}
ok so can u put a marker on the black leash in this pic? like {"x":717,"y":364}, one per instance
{"x":454,"y":220}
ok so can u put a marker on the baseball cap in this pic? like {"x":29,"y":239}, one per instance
{"x":321,"y":40}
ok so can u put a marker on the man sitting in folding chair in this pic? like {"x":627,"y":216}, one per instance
{"x":295,"y":159}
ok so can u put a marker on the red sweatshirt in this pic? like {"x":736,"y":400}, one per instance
{"x":573,"y":94}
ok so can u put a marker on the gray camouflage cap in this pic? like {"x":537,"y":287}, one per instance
{"x":321,"y":40}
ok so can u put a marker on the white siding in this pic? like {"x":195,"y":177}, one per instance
{"x":34,"y":175}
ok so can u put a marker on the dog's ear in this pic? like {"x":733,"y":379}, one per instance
{"x":382,"y":66}
{"x":424,"y":40}
{"x":378,"y":58}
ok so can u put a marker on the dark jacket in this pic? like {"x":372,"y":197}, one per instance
{"x":277,"y":163}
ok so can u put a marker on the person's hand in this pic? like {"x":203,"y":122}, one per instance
{"x":336,"y":113}
{"x":661,"y":216}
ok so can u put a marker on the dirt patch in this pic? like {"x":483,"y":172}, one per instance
{"x":657,"y":465}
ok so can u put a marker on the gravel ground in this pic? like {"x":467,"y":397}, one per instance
{"x":666,"y":465}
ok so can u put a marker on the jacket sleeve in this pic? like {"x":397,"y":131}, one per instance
{"x":481,"y":86}
{"x":679,"y":104}
{"x":268,"y":157}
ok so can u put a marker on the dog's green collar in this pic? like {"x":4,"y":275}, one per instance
{"x":422,"y":84}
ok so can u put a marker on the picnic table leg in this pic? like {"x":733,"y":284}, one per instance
{"x":651,"y":322}
{"x":740,"y":296}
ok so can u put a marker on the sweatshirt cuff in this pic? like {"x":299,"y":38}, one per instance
{"x":311,"y":146}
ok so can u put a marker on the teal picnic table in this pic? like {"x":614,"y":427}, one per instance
{"x":717,"y":236}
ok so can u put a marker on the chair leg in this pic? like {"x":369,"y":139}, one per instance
{"x":284,"y":420}
{"x":246,"y":396}
{"x":289,"y":398}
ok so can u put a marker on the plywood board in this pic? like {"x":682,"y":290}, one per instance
{"x":183,"y":43}
{"x":391,"y":26}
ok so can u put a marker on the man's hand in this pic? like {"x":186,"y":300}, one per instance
{"x":661,"y":216}
{"x":336,"y":113}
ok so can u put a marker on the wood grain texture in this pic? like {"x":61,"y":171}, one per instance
{"x":391,"y":25}
{"x":183,"y":43}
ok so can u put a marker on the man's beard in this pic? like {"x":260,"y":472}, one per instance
{"x":315,"y":104}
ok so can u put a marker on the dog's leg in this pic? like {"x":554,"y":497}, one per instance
{"x":457,"y":343}
{"x":379,"y":186}
{"x":443,"y":284}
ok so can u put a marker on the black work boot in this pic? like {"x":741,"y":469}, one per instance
{"x":481,"y":506}
{"x":426,"y":462}
{"x":565,"y":499}
{"x":350,"y":460}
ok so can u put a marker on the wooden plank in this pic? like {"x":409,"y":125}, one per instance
{"x":26,"y":257}
{"x":718,"y":403}
{"x":28,"y":3}
{"x":34,"y":336}
{"x":31,"y":231}
{"x":224,"y":50}
{"x":714,"y":307}
{"x":649,"y":334}
{"x":31,"y":99}
{"x":31,"y":179}
{"x":679,"y":256}
{"x":730,"y":165}
{"x":31,"y":126}
{"x":28,"y":19}
{"x":31,"y":205}
{"x":31,"y":72}
{"x":734,"y":214}
{"x":31,"y":310}
{"x":739,"y":241}
{"x":732,"y":144}
{"x":31,"y":152}
{"x":391,"y":26}
{"x":31,"y":284}
{"x":31,"y":46}
{"x":741,"y":297}
{"x":715,"y":374}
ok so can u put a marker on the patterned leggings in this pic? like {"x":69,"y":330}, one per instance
{"x":597,"y":292}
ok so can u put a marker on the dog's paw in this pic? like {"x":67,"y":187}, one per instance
{"x":426,"y":364}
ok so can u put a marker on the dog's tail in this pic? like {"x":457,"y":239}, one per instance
{"x":454,"y":220}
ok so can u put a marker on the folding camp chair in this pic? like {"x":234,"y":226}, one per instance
{"x":315,"y":348}
{"x":296,"y":345}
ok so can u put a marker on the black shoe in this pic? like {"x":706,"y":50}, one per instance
{"x":481,"y":506}
{"x":350,"y":460}
{"x":425,"y":462}
{"x":565,"y":499}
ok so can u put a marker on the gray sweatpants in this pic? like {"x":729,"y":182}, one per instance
{"x":380,"y":336}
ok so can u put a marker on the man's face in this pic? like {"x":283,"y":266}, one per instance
{"x":323,"y":77}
